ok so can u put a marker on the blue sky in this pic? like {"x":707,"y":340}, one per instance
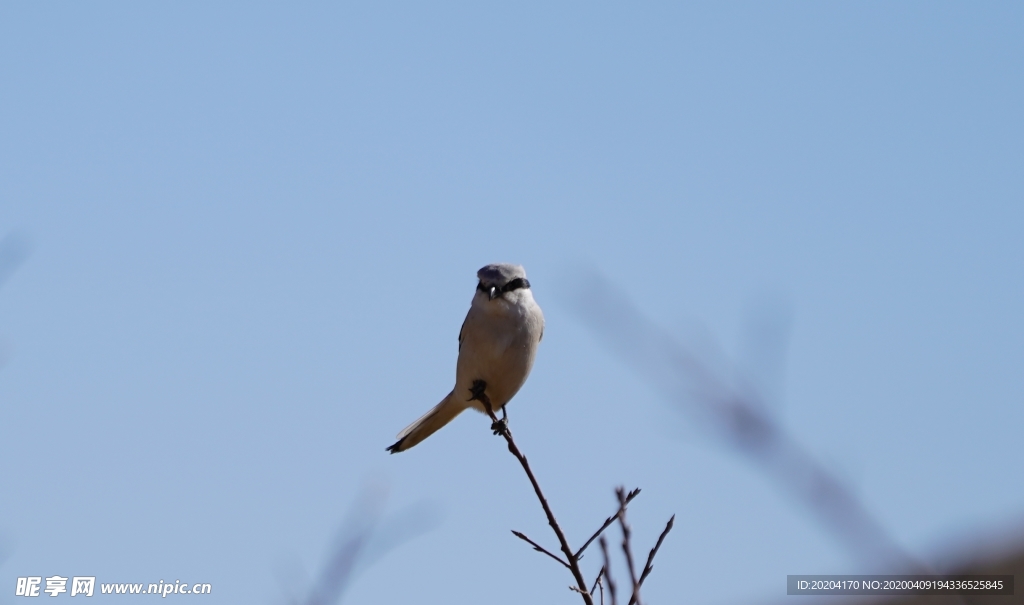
{"x":252,"y":232}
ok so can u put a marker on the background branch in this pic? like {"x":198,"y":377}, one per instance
{"x":608,"y":569}
{"x":739,"y":419}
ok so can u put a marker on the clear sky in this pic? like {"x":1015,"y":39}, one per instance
{"x":251,"y":233}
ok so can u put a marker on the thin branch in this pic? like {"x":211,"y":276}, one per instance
{"x":574,"y":565}
{"x":608,"y":521}
{"x":597,"y":580}
{"x":608,"y":569}
{"x":539,"y":548}
{"x":626,"y":548}
{"x":650,"y":558}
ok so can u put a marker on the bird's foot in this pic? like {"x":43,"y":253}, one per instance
{"x":500,"y":427}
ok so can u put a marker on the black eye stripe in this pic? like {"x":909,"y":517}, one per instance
{"x":515,"y":284}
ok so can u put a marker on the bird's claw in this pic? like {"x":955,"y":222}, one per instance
{"x":500,"y":427}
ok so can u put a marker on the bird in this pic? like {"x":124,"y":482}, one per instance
{"x":497,"y":346}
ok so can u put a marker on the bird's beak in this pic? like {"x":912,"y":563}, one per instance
{"x":492,"y":293}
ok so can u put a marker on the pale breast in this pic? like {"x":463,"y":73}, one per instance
{"x":498,"y":348}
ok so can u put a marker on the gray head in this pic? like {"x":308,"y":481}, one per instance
{"x":499,"y":278}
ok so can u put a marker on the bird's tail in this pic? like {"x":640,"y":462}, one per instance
{"x":440,"y":415}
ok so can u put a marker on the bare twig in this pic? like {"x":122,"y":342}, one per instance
{"x":608,"y":521}
{"x":571,"y":560}
{"x":650,"y":559}
{"x":627,"y":549}
{"x":574,"y":566}
{"x":597,"y":580}
{"x":539,"y":548}
{"x":608,"y":569}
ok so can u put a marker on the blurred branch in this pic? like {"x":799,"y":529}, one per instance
{"x":362,"y":539}
{"x":607,"y":570}
{"x":348,"y":546}
{"x":737,"y":418}
{"x":14,"y":250}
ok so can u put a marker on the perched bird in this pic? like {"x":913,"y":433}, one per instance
{"x":497,"y":345}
